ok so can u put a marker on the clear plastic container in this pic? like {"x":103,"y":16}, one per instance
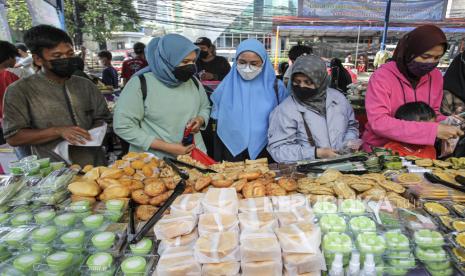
{"x":107,"y":241}
{"x":132,"y":265}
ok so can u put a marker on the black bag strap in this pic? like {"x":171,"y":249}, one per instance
{"x":70,"y":106}
{"x":310,"y":139}
{"x":276,"y":89}
{"x":143,"y":85}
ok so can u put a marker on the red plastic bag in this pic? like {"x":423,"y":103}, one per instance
{"x":197,"y":154}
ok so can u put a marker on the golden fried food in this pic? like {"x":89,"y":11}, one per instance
{"x":75,"y":198}
{"x":254,"y":189}
{"x":222,"y":183}
{"x":376,"y":177}
{"x":155,"y":188}
{"x":140,"y":197}
{"x":343,"y":190}
{"x":120,"y":164}
{"x":131,"y":156}
{"x":136,"y":185}
{"x":446,"y":177}
{"x":84,"y":188}
{"x":125,"y":181}
{"x":189,"y":189}
{"x":424,"y":162}
{"x":129,"y":171}
{"x":409,"y":178}
{"x":459,"y":209}
{"x":233,"y":176}
{"x":75,"y":167}
{"x":149,"y":180}
{"x":167,"y":172}
{"x":147,"y":170}
{"x":160,"y":199}
{"x":93,"y":174}
{"x":138,"y":175}
{"x":112,"y":173}
{"x":375,"y":193}
{"x":154,"y":163}
{"x":170,"y":182}
{"x":442,"y":164}
{"x":460,"y":239}
{"x":269,"y":174}
{"x":459,"y":254}
{"x":239,"y":184}
{"x":288,"y":184}
{"x":436,"y":208}
{"x":361,"y":187}
{"x":145,"y":212}
{"x":87,"y":168}
{"x":202,"y":182}
{"x":398,"y":201}
{"x":114,"y":192}
{"x":411,"y":158}
{"x":107,"y":182}
{"x":252,"y":175}
{"x":319,"y":190}
{"x":391,"y":186}
{"x":137,"y":164}
{"x":204,"y":190}
{"x":458,"y":225}
{"x":316,"y":198}
{"x":446,"y":221}
{"x":306,"y":181}
{"x":330,"y":175}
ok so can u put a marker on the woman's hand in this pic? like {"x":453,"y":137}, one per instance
{"x":172,"y":148}
{"x":446,"y":132}
{"x":325,"y":153}
{"x":196,"y":123}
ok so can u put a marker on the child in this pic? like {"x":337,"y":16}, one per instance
{"x":419,"y":112}
{"x":109,"y":74}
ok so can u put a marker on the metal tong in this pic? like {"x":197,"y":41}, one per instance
{"x":184,"y":164}
{"x":434,"y":179}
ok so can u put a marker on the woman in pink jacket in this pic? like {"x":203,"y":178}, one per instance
{"x":411,"y":77}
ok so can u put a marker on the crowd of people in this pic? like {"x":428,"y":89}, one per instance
{"x":300,"y":114}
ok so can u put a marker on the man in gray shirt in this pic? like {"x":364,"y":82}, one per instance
{"x":53,"y":105}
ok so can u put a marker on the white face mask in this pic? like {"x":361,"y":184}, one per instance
{"x":248,"y":72}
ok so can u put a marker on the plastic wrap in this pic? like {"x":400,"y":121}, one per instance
{"x":268,"y":268}
{"x":172,"y":226}
{"x":258,"y":204}
{"x":253,"y":221}
{"x":299,"y":238}
{"x":223,"y":269}
{"x":178,"y":261}
{"x":288,"y":203}
{"x":215,"y":222}
{"x":296,"y":264}
{"x":188,"y":203}
{"x":259,"y":246}
{"x":181,"y":241}
{"x":221,"y":200}
{"x":218,"y":248}
{"x":296,"y":215}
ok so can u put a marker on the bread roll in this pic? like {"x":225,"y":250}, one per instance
{"x":213,"y":223}
{"x":259,"y":246}
{"x":259,"y":204}
{"x":253,"y":221}
{"x":172,"y":226}
{"x":112,"y":173}
{"x":75,"y":198}
{"x":220,"y":200}
{"x":217,"y":248}
{"x":315,"y":273}
{"x":187,"y":240}
{"x":297,"y":264}
{"x":299,"y":238}
{"x":299,"y":214}
{"x":268,"y":268}
{"x":114,"y":192}
{"x":178,"y":261}
{"x":223,"y":269}
{"x":84,"y":188}
{"x":190,"y":203}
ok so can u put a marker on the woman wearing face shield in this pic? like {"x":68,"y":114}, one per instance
{"x":243,"y":102}
{"x":174,"y":100}
{"x":411,"y":77}
{"x":315,"y":121}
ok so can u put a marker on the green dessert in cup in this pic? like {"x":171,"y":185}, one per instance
{"x":65,"y":220}
{"x":353,"y":207}
{"x":332,"y":223}
{"x":426,"y":238}
{"x":362,"y":224}
{"x":397,"y":241}
{"x":100,"y":264}
{"x":141,"y":248}
{"x":60,"y":261}
{"x":333,"y":243}
{"x":44,"y":217}
{"x":324,"y":207}
{"x":371,"y":243}
{"x":103,"y":240}
{"x":25,"y":262}
{"x":133,"y":266}
{"x":44,"y":234}
{"x":431,"y":254}
{"x":21,"y":219}
{"x":93,"y":221}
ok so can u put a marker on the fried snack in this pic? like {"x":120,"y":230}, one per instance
{"x":351,"y":179}
{"x":446,"y":221}
{"x":150,"y":180}
{"x":288,"y":184}
{"x":459,"y":209}
{"x":222,"y":183}
{"x":204,"y":190}
{"x":136,"y":185}
{"x":459,"y":254}
{"x":409,"y":178}
{"x":114,"y":192}
{"x":254,"y":189}
{"x":273,"y":189}
{"x":320,"y":190}
{"x":391,"y":186}
{"x":316,"y":198}
{"x":170,"y":183}
{"x":189,"y":189}
{"x":129,"y":171}
{"x":233,"y":176}
{"x":460,"y":239}
{"x":376,"y":177}
{"x":154,"y":163}
{"x":155,"y":188}
{"x":398,"y":201}
{"x":436,"y":208}
{"x":125,"y":181}
{"x":131,"y":156}
{"x":107,"y":182}
{"x":139,"y":175}
{"x":362,"y":186}
{"x":424,"y":162}
{"x":263,"y":161}
{"x":343,"y":190}
{"x":167,"y":172}
{"x":375,"y":193}
{"x":411,"y":158}
{"x":305,"y":181}
{"x":93,"y":174}
{"x":202,"y":182}
{"x":446,"y":177}
{"x":84,"y":188}
{"x":75,"y":198}
{"x":330,"y":175}
{"x":160,"y":199}
{"x":239,"y":184}
{"x":140,"y":197}
{"x":112,"y":173}
{"x":137,"y":164}
{"x":75,"y":167}
{"x":87,"y":168}
{"x":147,"y":170}
{"x":442,"y":164}
{"x":145,"y":212}
{"x":252,"y":175}
{"x":458,"y":225}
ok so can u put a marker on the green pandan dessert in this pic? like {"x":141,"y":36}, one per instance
{"x":324,"y":207}
{"x":353,"y":207}
{"x":428,"y":238}
{"x":397,"y":241}
{"x":371,"y":243}
{"x":332,"y":223}
{"x":362,"y":224}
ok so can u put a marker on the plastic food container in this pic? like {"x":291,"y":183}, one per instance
{"x":144,"y":247}
{"x":44,"y":234}
{"x":93,"y":221}
{"x":332,"y":223}
{"x":44,"y":217}
{"x":65,"y":220}
{"x":101,"y":264}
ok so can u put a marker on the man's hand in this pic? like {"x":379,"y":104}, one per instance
{"x":73,"y":134}
{"x":207,"y":76}
{"x":196,"y":123}
{"x":325,"y":153}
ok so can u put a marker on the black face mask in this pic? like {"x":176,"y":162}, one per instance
{"x":65,"y":67}
{"x":203,"y":54}
{"x":304,"y":93}
{"x":185,"y":72}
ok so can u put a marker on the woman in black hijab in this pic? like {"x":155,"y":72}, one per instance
{"x":453,"y":101}
{"x":340,"y":77}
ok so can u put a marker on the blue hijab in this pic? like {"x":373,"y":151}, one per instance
{"x":242,"y":107}
{"x":164,"y":54}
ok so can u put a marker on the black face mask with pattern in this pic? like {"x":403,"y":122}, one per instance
{"x":185,"y":72}
{"x":304,"y":93}
{"x":65,"y":67}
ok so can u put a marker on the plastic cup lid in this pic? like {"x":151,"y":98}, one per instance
{"x":134,"y":263}
{"x":74,"y":234}
{"x":104,"y":236}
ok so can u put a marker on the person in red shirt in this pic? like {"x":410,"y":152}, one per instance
{"x":131,"y":66}
{"x":8,"y":54}
{"x":418,"y":112}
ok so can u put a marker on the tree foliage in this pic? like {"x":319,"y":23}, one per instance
{"x":18,"y":15}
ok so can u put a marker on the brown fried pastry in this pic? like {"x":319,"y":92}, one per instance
{"x":343,"y":190}
{"x":140,"y":197}
{"x":320,"y":190}
{"x":129,"y":171}
{"x":316,"y":198}
{"x":361,"y":187}
{"x":273,"y":189}
{"x":145,"y":212}
{"x":155,"y":188}
{"x":136,"y":185}
{"x":87,"y":168}
{"x":107,"y":182}
{"x":251,"y":175}
{"x":150,"y":180}
{"x":222,"y":183}
{"x":398,"y":201}
{"x":254,"y":189}
{"x":170,"y":182}
{"x":392,"y":186}
{"x":239,"y":184}
{"x":330,"y":175}
{"x":376,"y":177}
{"x":409,"y":178}
{"x":137,"y":164}
{"x":167,"y":172}
{"x":442,"y":164}
{"x":375,"y":193}
{"x":114,"y":192}
{"x":424,"y":162}
{"x":125,"y":181}
{"x":160,"y":199}
{"x":202,"y":182}
{"x":287,"y":184}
